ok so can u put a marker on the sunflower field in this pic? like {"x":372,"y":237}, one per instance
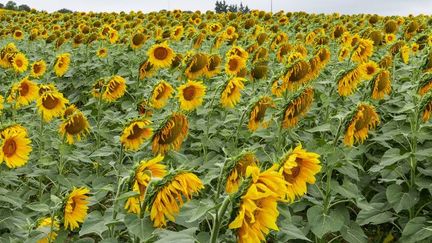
{"x":179,"y":126}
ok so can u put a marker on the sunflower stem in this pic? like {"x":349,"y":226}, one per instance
{"x":220,"y":179}
{"x":239,"y":126}
{"x":218,"y":219}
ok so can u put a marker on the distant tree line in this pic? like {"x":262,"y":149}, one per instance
{"x":11,"y":5}
{"x":223,"y":7}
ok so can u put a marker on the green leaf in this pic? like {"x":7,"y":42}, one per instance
{"x":39,"y":207}
{"x":401,"y":200}
{"x":141,"y":228}
{"x":184,"y":236}
{"x":322,"y":223}
{"x":392,"y":156}
{"x":127,"y":195}
{"x":291,"y":232}
{"x":322,"y":128}
{"x":416,"y":230}
{"x":94,"y":224}
{"x":353,"y":233}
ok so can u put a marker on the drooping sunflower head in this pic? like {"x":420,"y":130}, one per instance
{"x":191,"y":95}
{"x":213,"y":65}
{"x":299,"y":168}
{"x":381,"y":85}
{"x":349,"y":80}
{"x":15,"y":146}
{"x":425,"y":84}
{"x":137,"y":40}
{"x":297,"y":107}
{"x":259,"y":70}
{"x":231,"y":94}
{"x":160,"y":95}
{"x":144,"y":108}
{"x":170,"y":134}
{"x":46,"y":223}
{"x":166,"y":197}
{"x":74,"y":125}
{"x":234,"y":64}
{"x":20,"y":63}
{"x":23,"y":92}
{"x":114,"y":89}
{"x":51,"y":104}
{"x":135,"y":133}
{"x":75,"y":209}
{"x":386,"y":62}
{"x":426,"y":106}
{"x":62,"y":63}
{"x":237,"y":51}
{"x":359,"y":124}
{"x":236,"y":170}
{"x":363,"y":51}
{"x":258,"y":112}
{"x":47,"y":87}
{"x":196,"y":65}
{"x":38,"y":69}
{"x":297,"y":74}
{"x":161,"y":55}
{"x":146,"y":70}
{"x":405,"y":53}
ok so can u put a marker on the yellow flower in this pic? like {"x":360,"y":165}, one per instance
{"x":23,"y":92}
{"x":47,"y":223}
{"x":357,"y":129}
{"x":38,"y":69}
{"x":135,"y":133}
{"x":137,"y":40}
{"x":381,"y":85}
{"x":61,"y":65}
{"x":369,"y":68}
{"x":231,"y":94}
{"x":166,"y":200}
{"x":297,"y":74}
{"x":196,"y":65}
{"x":51,"y":104}
{"x":363,"y":51}
{"x":297,"y":108}
{"x":161,"y":93}
{"x":115,"y":89}
{"x":20,"y":63}
{"x":237,"y":172}
{"x":299,"y":168}
{"x":234,"y":65}
{"x":161,"y":55}
{"x":213,"y":66}
{"x":257,"y":114}
{"x":102,"y":52}
{"x":171,"y":134}
{"x":191,"y":95}
{"x":1,"y":103}
{"x":349,"y":81}
{"x":390,"y":38}
{"x":75,"y":210}
{"x":15,"y":146}
{"x":18,"y":35}
{"x":146,"y":70}
{"x":238,"y":51}
{"x":405,"y":53}
{"x":74,"y":124}
{"x":113,"y":35}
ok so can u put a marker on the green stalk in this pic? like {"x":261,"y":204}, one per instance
{"x":218,"y":219}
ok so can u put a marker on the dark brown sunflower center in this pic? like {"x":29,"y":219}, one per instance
{"x":189,"y":93}
{"x":24,"y":89}
{"x":370,"y":70}
{"x":9,"y":147}
{"x":136,"y":132}
{"x":18,"y":34}
{"x":261,"y":113}
{"x":138,"y":39}
{"x":199,"y":62}
{"x":233,"y":64}
{"x":76,"y":125}
{"x":299,"y":74}
{"x":173,"y":133}
{"x":294,"y":173}
{"x":160,"y":53}
{"x":50,"y":102}
{"x":19,"y":63}
{"x":37,"y":68}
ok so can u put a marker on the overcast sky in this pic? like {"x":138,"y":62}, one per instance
{"x":383,"y":7}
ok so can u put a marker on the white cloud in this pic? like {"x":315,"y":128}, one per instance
{"x":384,"y":7}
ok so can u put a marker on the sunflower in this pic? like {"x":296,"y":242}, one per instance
{"x":213,"y":66}
{"x":115,"y":89}
{"x":364,"y":119}
{"x":74,"y":124}
{"x":381,"y":85}
{"x":236,"y":171}
{"x":386,"y":62}
{"x":38,"y":69}
{"x":349,"y":81}
{"x":278,"y":87}
{"x":144,"y":172}
{"x":161,"y":55}
{"x":425,"y":85}
{"x":238,"y":51}
{"x":344,"y":52}
{"x":170,"y":134}
{"x":20,"y":63}
{"x":196,"y":65}
{"x":389,"y":38}
{"x":297,"y":74}
{"x":135,"y":133}
{"x":257,"y":209}
{"x":51,"y":104}
{"x":166,"y":197}
{"x":177,"y":32}
{"x":297,"y":108}
{"x":257,"y":114}
{"x":146,"y":70}
{"x":18,"y":35}
{"x":144,"y":109}
{"x":23,"y":92}
{"x":61,"y":65}
{"x":102,"y":52}
{"x":1,"y":103}
{"x":75,"y":210}
{"x":230,"y":96}
{"x":15,"y":146}
{"x":426,"y":108}
{"x":160,"y":95}
{"x":47,"y":222}
{"x":259,"y":70}
{"x":369,"y":68}
{"x":405,"y":53}
{"x":113,"y":36}
{"x":234,"y":65}
{"x":191,"y":95}
{"x":363,"y":51}
{"x":299,"y":168}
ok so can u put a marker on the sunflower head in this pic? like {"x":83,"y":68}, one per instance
{"x":258,"y":112}
{"x":259,"y":70}
{"x":170,"y":134}
{"x":231,"y":94}
{"x":38,"y":69}
{"x":161,"y":55}
{"x":146,"y":70}
{"x":297,"y":74}
{"x":213,"y":65}
{"x":20,"y":63}
{"x":74,"y":125}
{"x":381,"y":85}
{"x":135,"y":133}
{"x":144,"y":108}
{"x":102,"y":52}
{"x":236,"y":170}
{"x":191,"y":95}
{"x":234,"y":64}
{"x":23,"y":92}
{"x":75,"y":209}
{"x":15,"y":146}
{"x":61,"y":65}
{"x":297,"y":107}
{"x":160,"y":95}
{"x":51,"y":104}
{"x":114,"y":89}
{"x":46,"y":223}
{"x":359,"y":123}
{"x":196,"y":65}
{"x":426,"y":107}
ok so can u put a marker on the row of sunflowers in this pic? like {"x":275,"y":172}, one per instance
{"x":206,"y":127}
